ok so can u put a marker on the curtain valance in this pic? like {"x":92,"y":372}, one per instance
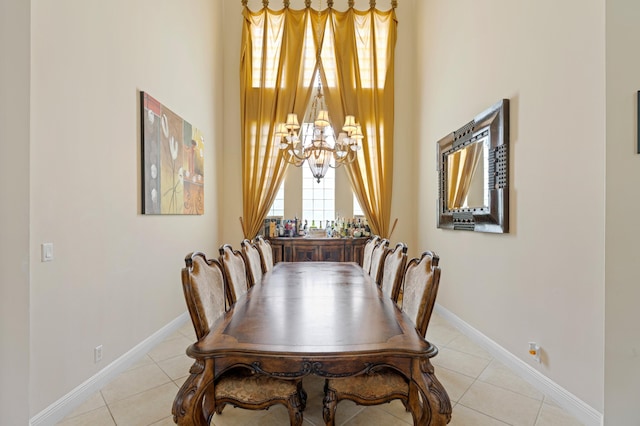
{"x":307,"y":3}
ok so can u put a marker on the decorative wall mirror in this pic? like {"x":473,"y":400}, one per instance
{"x":473,"y":171}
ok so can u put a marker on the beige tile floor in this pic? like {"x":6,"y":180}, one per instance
{"x":483,"y":392}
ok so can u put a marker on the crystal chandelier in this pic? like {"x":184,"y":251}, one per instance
{"x":315,"y":143}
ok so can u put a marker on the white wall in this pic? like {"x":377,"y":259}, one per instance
{"x":15,"y":27}
{"x":403,"y":203}
{"x":622,"y":366}
{"x":115,"y":279}
{"x":230,"y":230}
{"x":544,"y":281}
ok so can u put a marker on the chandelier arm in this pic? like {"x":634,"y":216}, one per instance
{"x":350,"y":157}
{"x":289,"y":150}
{"x":292,"y":158}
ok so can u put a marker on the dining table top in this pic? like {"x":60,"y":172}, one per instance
{"x":314,"y":308}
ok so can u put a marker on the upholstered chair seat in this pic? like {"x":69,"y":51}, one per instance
{"x":243,"y":390}
{"x":375,"y":387}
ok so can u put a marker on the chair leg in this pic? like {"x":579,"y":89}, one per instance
{"x":220,"y":407}
{"x":329,"y":404}
{"x":295,"y":407}
{"x":303,"y":396}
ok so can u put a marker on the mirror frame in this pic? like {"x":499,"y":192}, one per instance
{"x":494,"y":217}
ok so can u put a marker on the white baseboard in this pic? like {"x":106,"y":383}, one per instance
{"x":565,"y":399}
{"x":65,"y":405}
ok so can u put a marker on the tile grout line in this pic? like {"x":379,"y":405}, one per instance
{"x":487,"y":415}
{"x":353,"y":416}
{"x":539,"y":412}
{"x":108,"y":408}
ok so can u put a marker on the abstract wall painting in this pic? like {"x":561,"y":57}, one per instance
{"x":172,"y":161}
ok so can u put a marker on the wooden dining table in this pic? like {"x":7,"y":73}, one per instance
{"x":322,"y":318}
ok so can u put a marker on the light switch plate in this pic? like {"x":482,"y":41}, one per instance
{"x":47,"y":252}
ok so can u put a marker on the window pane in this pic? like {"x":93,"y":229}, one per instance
{"x":318,"y":199}
{"x":357,"y":210}
{"x":277,"y":208}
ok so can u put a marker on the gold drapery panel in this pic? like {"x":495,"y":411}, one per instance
{"x":273,"y":38}
{"x":365,"y":88}
{"x":358,"y":78}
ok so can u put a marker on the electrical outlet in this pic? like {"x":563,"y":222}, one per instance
{"x":97,"y":354}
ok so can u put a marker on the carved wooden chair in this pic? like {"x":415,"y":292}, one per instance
{"x":266,"y":253}
{"x":377,"y":260}
{"x":204,"y":285}
{"x":235,"y":272}
{"x":395,"y":262}
{"x":421,"y":281}
{"x":252,"y":262}
{"x":368,"y":251}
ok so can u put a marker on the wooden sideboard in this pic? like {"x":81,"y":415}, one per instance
{"x":304,"y":249}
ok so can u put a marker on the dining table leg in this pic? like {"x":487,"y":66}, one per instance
{"x":435,"y":409}
{"x":189,"y":406}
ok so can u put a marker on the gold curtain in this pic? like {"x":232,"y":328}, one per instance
{"x":357,"y":73}
{"x":271,"y":88}
{"x":363,"y":73}
{"x":462,"y":166}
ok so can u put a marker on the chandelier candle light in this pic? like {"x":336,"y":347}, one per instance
{"x":315,"y":148}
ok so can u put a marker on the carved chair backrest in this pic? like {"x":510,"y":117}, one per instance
{"x":368,"y":251}
{"x":393,"y":271}
{"x":421,"y":281}
{"x":204,"y":288}
{"x":252,"y":261}
{"x":377,"y":260}
{"x":235,"y":272}
{"x":266,"y":253}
